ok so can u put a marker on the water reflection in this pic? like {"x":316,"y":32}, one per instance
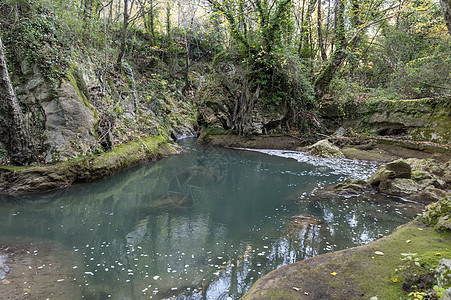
{"x":203,"y":225}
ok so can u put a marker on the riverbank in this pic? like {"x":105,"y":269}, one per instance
{"x":371,"y":270}
{"x":24,"y":180}
{"x":357,"y":147}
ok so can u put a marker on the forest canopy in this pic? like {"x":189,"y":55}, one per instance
{"x":283,"y":56}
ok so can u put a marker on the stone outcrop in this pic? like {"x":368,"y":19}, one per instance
{"x":61,"y":118}
{"x":419,"y":120}
{"x":392,"y":170}
{"x":416,"y":179}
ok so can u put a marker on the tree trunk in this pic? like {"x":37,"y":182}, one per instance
{"x":123,"y":36}
{"x":322,"y":50}
{"x":446,"y":9}
{"x":18,"y":140}
{"x":244,"y":108}
{"x":326,"y":75}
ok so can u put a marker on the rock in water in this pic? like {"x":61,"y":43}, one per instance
{"x":325,"y":149}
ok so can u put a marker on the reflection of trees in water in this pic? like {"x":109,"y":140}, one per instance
{"x":359,"y":220}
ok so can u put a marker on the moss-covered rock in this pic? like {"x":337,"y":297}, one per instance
{"x":14,"y":180}
{"x":426,"y":119}
{"x":355,"y":273}
{"x":439,"y":214}
{"x":392,"y":170}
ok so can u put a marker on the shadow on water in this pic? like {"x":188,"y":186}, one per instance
{"x":203,"y":225}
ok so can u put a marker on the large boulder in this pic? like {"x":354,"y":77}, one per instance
{"x":425,"y":168}
{"x":325,"y":149}
{"x":396,"y":169}
{"x":402,"y":187}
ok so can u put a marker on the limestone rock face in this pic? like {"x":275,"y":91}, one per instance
{"x":68,"y":126}
{"x":325,"y":149}
{"x":425,"y":168}
{"x":398,"y":118}
{"x":61,"y":121}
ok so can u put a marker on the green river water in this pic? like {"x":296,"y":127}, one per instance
{"x":202,"y":225}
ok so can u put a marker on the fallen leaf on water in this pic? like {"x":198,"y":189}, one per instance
{"x":296,"y":289}
{"x":333,"y":273}
{"x":379,"y":253}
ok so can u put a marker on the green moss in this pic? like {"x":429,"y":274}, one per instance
{"x":15,"y":179}
{"x":78,"y":84}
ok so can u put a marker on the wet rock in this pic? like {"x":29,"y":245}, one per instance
{"x":429,"y":195}
{"x":303,"y":220}
{"x":396,"y":169}
{"x":403,"y":187}
{"x":438,"y":214}
{"x":352,"y":187}
{"x":324,"y":149}
{"x":425,"y":168}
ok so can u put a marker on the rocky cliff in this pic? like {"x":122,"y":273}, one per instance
{"x":419,"y":120}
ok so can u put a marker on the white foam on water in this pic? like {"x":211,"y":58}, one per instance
{"x":338,"y":166}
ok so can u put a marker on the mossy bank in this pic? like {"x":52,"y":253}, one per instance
{"x":371,"y":270}
{"x":21,"y":180}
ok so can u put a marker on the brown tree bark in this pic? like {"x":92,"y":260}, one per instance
{"x":123,"y":36}
{"x":18,"y":139}
{"x":446,"y":9}
{"x":322,"y":49}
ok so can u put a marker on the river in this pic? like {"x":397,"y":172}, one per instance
{"x":202,"y":225}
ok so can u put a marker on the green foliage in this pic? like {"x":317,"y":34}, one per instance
{"x":418,"y":277}
{"x":38,"y":40}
